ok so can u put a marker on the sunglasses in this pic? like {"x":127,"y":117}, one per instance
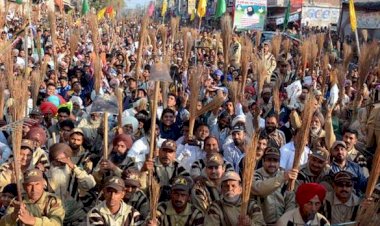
{"x":344,"y":184}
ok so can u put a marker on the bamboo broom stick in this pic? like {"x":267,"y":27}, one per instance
{"x":195,"y":76}
{"x":153,"y":119}
{"x":245,"y":60}
{"x":154,"y":195}
{"x":119,"y":96}
{"x":374,"y":175}
{"x":53,"y":26}
{"x":105,"y":136}
{"x":142,"y":37}
{"x":276,"y":98}
{"x":325,"y":71}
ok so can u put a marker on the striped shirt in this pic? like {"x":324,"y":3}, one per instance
{"x":197,"y":169}
{"x":140,"y":202}
{"x":167,"y":216}
{"x":204,"y":193}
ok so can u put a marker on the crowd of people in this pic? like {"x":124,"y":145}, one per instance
{"x":68,"y":180}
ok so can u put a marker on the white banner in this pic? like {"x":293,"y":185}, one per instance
{"x":319,"y":16}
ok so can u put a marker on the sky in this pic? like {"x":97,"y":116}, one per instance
{"x":133,"y":3}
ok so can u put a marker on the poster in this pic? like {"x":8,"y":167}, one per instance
{"x":319,"y":16}
{"x":250,"y":14}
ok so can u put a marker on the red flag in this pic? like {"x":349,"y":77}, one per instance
{"x":109,"y":10}
{"x":151,"y":9}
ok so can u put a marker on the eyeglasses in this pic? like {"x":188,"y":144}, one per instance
{"x":344,"y":184}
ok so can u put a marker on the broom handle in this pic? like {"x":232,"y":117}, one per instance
{"x":374,"y":175}
{"x":105,"y":136}
{"x":153,"y":117}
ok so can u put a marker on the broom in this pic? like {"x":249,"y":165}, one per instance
{"x":302,"y":136}
{"x":154,"y":194}
{"x":276,"y":98}
{"x":97,"y":74}
{"x":226,"y":39}
{"x":304,"y":50}
{"x":94,"y":29}
{"x":286,"y":44}
{"x":119,"y":96}
{"x":320,"y":41}
{"x":74,"y":38}
{"x":215,"y":103}
{"x":245,"y":59}
{"x":174,"y":26}
{"x":35,"y":80}
{"x":164,"y":35}
{"x":365,"y":35}
{"x":142,"y":35}
{"x":195,"y":76}
{"x":276,"y":45}
{"x":217,"y":41}
{"x":2,"y":98}
{"x":258,"y":40}
{"x":53,"y":26}
{"x":38,"y":44}
{"x":153,"y":39}
{"x":313,"y":53}
{"x":325,"y":70}
{"x":188,"y":45}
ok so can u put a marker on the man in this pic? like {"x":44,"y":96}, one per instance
{"x":226,"y":211}
{"x":235,"y":51}
{"x":309,"y":198}
{"x":165,"y":168}
{"x":178,"y":210}
{"x":39,"y":207}
{"x":315,"y":169}
{"x":113,"y":210}
{"x":170,"y":126}
{"x":340,"y":162}
{"x":288,"y":152}
{"x":211,"y":146}
{"x":276,"y":137}
{"x":7,"y":195}
{"x":81,"y":157}
{"x":63,"y":114}
{"x":350,"y":137}
{"x":261,"y":146}
{"x":270,"y":60}
{"x":342,"y":205}
{"x":134,"y":196}
{"x":270,"y":186}
{"x":219,"y":125}
{"x":206,"y":189}
{"x":64,"y":88}
{"x":235,"y":151}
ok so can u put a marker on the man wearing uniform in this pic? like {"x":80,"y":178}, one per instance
{"x":113,"y":210}
{"x":342,"y":205}
{"x":226,"y":211}
{"x":206,"y":189}
{"x":165,"y":168}
{"x":38,"y":208}
{"x":309,"y":198}
{"x":270,"y":186}
{"x":178,"y":211}
{"x":134,"y":196}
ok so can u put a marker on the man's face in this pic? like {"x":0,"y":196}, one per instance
{"x":271,"y":165}
{"x":231,"y":188}
{"x":55,"y":161}
{"x":62,"y":116}
{"x":223,"y":122}
{"x":50,"y":90}
{"x":315,"y":125}
{"x":343,"y":190}
{"x":229,"y":106}
{"x":261,"y":145}
{"x":129,"y":191}
{"x":168,"y":119}
{"x":113,"y":197}
{"x":120,"y":148}
{"x":266,"y":48}
{"x":350,"y":139}
{"x":26,"y":156}
{"x":211,"y":146}
{"x":179,"y":198}
{"x":65,"y":133}
{"x":215,"y":172}
{"x":171,"y":102}
{"x":311,"y":208}
{"x":271,"y":124}
{"x":34,"y":190}
{"x":316,"y":165}
{"x":203,"y":132}
{"x":166,"y":156}
{"x":6,"y":199}
{"x":63,"y":82}
{"x":76,"y":140}
{"x":339,"y":153}
{"x":238,"y":137}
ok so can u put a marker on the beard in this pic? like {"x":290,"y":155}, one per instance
{"x":59,"y":178}
{"x":95,"y":123}
{"x":231,"y":198}
{"x":315,"y":131}
{"x":270,"y":129}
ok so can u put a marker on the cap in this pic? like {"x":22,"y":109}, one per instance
{"x":33,"y":175}
{"x":214,"y":159}
{"x":169,"y":144}
{"x":131,"y":177}
{"x":336,"y":143}
{"x":36,"y":111}
{"x":28,"y":144}
{"x":320,"y":153}
{"x":238,"y":127}
{"x":77,"y":130}
{"x":181,"y":183}
{"x":272,"y":153}
{"x":342,"y":176}
{"x":116,"y":183}
{"x":231,"y":175}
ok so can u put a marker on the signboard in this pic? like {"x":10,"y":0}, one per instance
{"x":250,"y":14}
{"x":368,"y":19}
{"x":322,"y":3}
{"x":319,"y":16}
{"x":292,"y":18}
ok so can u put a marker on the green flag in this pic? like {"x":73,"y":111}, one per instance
{"x":220,"y":8}
{"x":85,"y":7}
{"x":19,"y":1}
{"x":287,"y":15}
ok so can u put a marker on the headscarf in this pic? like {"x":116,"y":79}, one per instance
{"x":37,"y":134}
{"x":307,"y":191}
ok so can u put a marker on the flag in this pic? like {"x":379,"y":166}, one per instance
{"x":164,"y":7}
{"x":19,"y":1}
{"x":192,"y":17}
{"x":60,"y":5}
{"x":220,"y":8}
{"x":202,"y":4}
{"x":352,"y":16}
{"x":287,"y":15}
{"x":100,"y":14}
{"x":85,"y":7}
{"x":151,"y":9}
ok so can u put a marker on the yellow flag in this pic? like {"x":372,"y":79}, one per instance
{"x":164,"y":7}
{"x":192,"y":17}
{"x":202,"y":4}
{"x":352,"y":16}
{"x":101,"y":13}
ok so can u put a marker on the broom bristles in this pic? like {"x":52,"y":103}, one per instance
{"x":195,"y":76}
{"x":119,"y":96}
{"x":154,"y":195}
{"x":98,"y":74}
{"x":313,"y":52}
{"x":217,"y":43}
{"x":233,"y":90}
{"x":320,"y":41}
{"x":276,"y":45}
{"x":258,"y":39}
{"x":142,"y":35}
{"x":174,"y":25}
{"x":276,"y":98}
{"x":36,"y":80}
{"x":325,"y":64}
{"x":2,"y":98}
{"x":226,"y":38}
{"x":262,"y":75}
{"x":94,"y":28}
{"x":305,"y":53}
{"x":215,"y":103}
{"x":374,"y":175}
{"x":245,"y":59}
{"x":286,"y":44}
{"x":74,"y":38}
{"x":347,"y":54}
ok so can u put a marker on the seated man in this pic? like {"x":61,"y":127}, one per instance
{"x":113,"y":210}
{"x":227,"y":210}
{"x":30,"y":211}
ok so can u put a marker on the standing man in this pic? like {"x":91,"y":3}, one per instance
{"x":235,"y":151}
{"x":276,"y":137}
{"x":39,"y":207}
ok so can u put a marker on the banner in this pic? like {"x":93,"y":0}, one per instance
{"x":319,"y":16}
{"x":368,"y":19}
{"x":352,"y":16}
{"x":250,"y":14}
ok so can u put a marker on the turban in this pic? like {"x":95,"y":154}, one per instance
{"x":319,"y":115}
{"x":57,"y":148}
{"x":77,"y":100}
{"x":54,"y":100}
{"x":37,"y":134}
{"x":250,"y":90}
{"x":47,"y":107}
{"x":127,"y":139}
{"x":130,"y":120}
{"x":307,"y":191}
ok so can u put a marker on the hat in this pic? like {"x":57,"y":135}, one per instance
{"x":272,"y":153}
{"x":35,"y":111}
{"x":37,"y":134}
{"x":33,"y":175}
{"x":181,"y":183}
{"x":169,"y":144}
{"x":342,"y":176}
{"x":231,"y":175}
{"x":77,"y":130}
{"x":320,"y":153}
{"x":116,"y":183}
{"x":238,"y":127}
{"x":28,"y":144}
{"x":336,"y":143}
{"x":131,"y":177}
{"x":47,"y":107}
{"x":214,"y":159}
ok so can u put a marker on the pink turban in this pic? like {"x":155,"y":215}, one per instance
{"x":37,"y":134}
{"x":307,"y":191}
{"x":127,"y":139}
{"x":47,"y":107}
